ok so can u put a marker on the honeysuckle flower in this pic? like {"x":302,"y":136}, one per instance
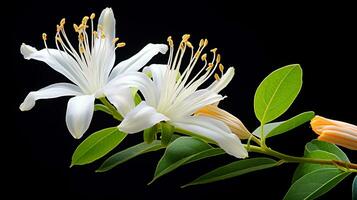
{"x":174,"y":97}
{"x":336,"y":132}
{"x":236,"y":126}
{"x":90,"y":67}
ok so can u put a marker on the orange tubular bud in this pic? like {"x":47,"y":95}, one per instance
{"x":236,"y":126}
{"x":336,"y":132}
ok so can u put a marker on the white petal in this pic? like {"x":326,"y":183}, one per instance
{"x":58,"y":60}
{"x":79,"y":114}
{"x":138,"y":60}
{"x":107,"y":20}
{"x":157,"y":72}
{"x":136,"y":80}
{"x":217,"y":86}
{"x":192,"y":103}
{"x":123,"y":101}
{"x":49,"y":92}
{"x":214,"y":130}
{"x":140,"y":118}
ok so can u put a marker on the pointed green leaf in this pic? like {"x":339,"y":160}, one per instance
{"x":167,"y":131}
{"x":97,"y":145}
{"x":354,"y":188}
{"x":325,"y":146}
{"x":182,"y":151}
{"x":277,"y":128}
{"x":128,"y":154}
{"x":305,"y":168}
{"x":150,"y":134}
{"x":277,"y":92}
{"x":234,"y":169}
{"x":315,"y":184}
{"x":103,"y":108}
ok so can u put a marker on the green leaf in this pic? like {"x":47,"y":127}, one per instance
{"x":315,"y":184}
{"x":277,"y":92}
{"x":103,"y":108}
{"x":97,"y":145}
{"x":167,"y":131}
{"x":150,"y":134}
{"x":325,"y":146}
{"x":305,"y":168}
{"x":182,"y":151}
{"x":128,"y":154}
{"x":234,"y":169}
{"x":277,"y":128}
{"x":354,"y":188}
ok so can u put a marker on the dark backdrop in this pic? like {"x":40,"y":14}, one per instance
{"x":255,"y":38}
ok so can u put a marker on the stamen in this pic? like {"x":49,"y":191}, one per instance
{"x":201,"y":43}
{"x":213,"y":50}
{"x":115,"y":40}
{"x":121,"y":44}
{"x":185,"y":37}
{"x":205,"y":43}
{"x":44,"y":36}
{"x":221,"y":68}
{"x":218,"y":60}
{"x":62,"y":22}
{"x":216,"y":76}
{"x":169,"y":40}
{"x":210,"y":66}
{"x":95,"y":34}
{"x":189,"y":44}
{"x":92,"y":16}
{"x":76,"y":28}
{"x":85,"y":20}
{"x":204,"y":57}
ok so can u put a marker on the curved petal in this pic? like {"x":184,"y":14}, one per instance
{"x":138,"y":60}
{"x":157,"y":72}
{"x":79,"y":114}
{"x":58,"y":60}
{"x":49,"y":92}
{"x":214,"y":130}
{"x":107,"y":21}
{"x":133,"y":79}
{"x":140,"y":118}
{"x":217,"y":86}
{"x":123,"y":101}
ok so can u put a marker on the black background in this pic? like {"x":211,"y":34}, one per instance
{"x":255,"y":38}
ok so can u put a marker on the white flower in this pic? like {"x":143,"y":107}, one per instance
{"x":175,"y":97}
{"x":89,"y":68}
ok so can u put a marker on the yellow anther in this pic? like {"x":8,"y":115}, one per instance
{"x":210,"y":66}
{"x":205,"y":43}
{"x":80,"y":27}
{"x":201,"y":42}
{"x":59,"y":28}
{"x":216,"y":76}
{"x":204,"y":57}
{"x":169,"y":40}
{"x":44,"y":36}
{"x":185,"y":37}
{"x":81,"y":50}
{"x":115,"y":40}
{"x":221,"y":67}
{"x":92,"y":16}
{"x":85,"y":20}
{"x":63,"y":21}
{"x":58,"y":38}
{"x":100,"y":27}
{"x":121,"y":44}
{"x":182,"y":45}
{"x":81,"y":37}
{"x":189,"y":44}
{"x":213,"y":50}
{"x":218,"y":59}
{"x":95,"y":34}
{"x":76,"y":28}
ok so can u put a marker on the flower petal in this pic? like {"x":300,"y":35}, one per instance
{"x":140,"y":118}
{"x":59,"y":61}
{"x":157,"y":72}
{"x":49,"y":92}
{"x":214,"y":130}
{"x":219,"y":85}
{"x":133,"y":79}
{"x":138,"y":60}
{"x":79,"y":114}
{"x":107,"y":21}
{"x":123,"y":101}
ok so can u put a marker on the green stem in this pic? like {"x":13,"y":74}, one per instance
{"x":112,"y":109}
{"x":346,"y":166}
